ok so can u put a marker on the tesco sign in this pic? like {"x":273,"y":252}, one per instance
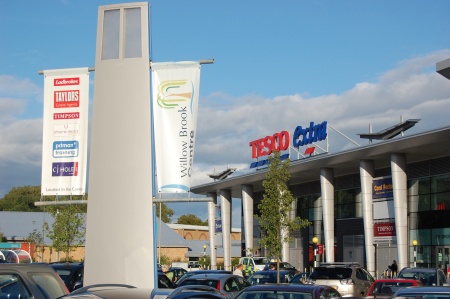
{"x":280,"y":141}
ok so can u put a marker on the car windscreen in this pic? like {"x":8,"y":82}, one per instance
{"x":261,"y":261}
{"x":331,"y":273}
{"x":204,"y":282}
{"x":427,"y":278}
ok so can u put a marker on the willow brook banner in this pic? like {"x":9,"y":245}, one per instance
{"x":175,"y":97}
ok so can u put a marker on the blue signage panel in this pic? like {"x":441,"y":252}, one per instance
{"x":382,"y":188}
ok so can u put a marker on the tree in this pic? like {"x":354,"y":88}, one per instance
{"x":275,"y":207}
{"x":68,"y":230}
{"x":37,"y":238}
{"x":22,"y":199}
{"x":164,"y":212}
{"x":191,"y":219}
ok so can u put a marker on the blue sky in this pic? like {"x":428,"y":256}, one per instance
{"x":278,"y":64}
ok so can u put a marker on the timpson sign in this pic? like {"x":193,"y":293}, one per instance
{"x":281,"y":141}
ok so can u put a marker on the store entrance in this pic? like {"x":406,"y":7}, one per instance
{"x":443,"y":257}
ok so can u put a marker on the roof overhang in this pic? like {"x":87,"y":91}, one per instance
{"x":419,"y":147}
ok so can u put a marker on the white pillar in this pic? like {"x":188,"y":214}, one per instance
{"x":119,"y":232}
{"x":225,"y":204}
{"x":366,"y":172}
{"x":327,"y":189}
{"x":247,"y":211}
{"x":212,"y":205}
{"x":398,"y":169}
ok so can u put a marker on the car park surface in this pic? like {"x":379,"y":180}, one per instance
{"x":350,"y":279}
{"x":387,"y":287}
{"x":425,"y":292}
{"x":428,"y":276}
{"x":37,"y":281}
{"x":228,"y":284}
{"x":288,"y":291}
{"x":71,"y":273}
{"x":270,"y":276}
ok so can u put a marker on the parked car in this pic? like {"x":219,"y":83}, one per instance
{"x":350,"y":279}
{"x":228,"y":284}
{"x":283,"y":266}
{"x":253,"y":264}
{"x":71,"y":273}
{"x":288,"y":291}
{"x":110,"y":291}
{"x":174,"y":273}
{"x":435,"y":292}
{"x":428,"y":276}
{"x":299,"y":278}
{"x":37,"y":281}
{"x":191,"y":273}
{"x":195,"y":291}
{"x":164,"y":282}
{"x":270,"y":276}
{"x":387,"y":287}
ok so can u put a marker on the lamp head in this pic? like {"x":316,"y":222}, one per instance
{"x":315,"y":240}
{"x":414,"y":242}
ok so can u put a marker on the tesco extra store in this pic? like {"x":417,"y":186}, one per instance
{"x":387,"y":200}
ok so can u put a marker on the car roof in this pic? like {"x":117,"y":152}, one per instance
{"x":285,"y":287}
{"x":396,"y":280}
{"x":210,"y":275}
{"x":423,"y":290}
{"x":420,"y":270}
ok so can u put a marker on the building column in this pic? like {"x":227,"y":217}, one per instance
{"x":413,"y":205}
{"x":247,"y":211}
{"x":366,"y":172}
{"x":317,"y":223}
{"x":212,"y":206}
{"x":225,"y":205}
{"x":398,"y":169}
{"x":327,"y":189}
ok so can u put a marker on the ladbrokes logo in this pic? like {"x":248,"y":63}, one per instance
{"x":171,"y":94}
{"x":66,"y":81}
{"x":65,"y":169}
{"x":66,"y":98}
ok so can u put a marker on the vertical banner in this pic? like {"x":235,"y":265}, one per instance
{"x":175,"y":92}
{"x":65,"y":131}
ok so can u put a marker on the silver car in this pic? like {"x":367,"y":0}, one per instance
{"x":350,"y":279}
{"x":228,"y":284}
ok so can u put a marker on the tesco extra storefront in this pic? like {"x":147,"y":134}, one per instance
{"x":371,"y":204}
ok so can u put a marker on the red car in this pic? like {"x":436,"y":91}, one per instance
{"x":387,"y":287}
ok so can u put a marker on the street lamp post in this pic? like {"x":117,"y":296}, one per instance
{"x":414,"y":243}
{"x":315,"y":240}
{"x":204,"y":256}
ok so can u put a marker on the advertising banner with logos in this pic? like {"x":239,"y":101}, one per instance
{"x":175,"y":94}
{"x":65,"y":131}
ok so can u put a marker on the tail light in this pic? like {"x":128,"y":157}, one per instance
{"x":218,"y":285}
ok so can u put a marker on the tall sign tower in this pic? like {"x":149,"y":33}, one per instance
{"x":119,"y":235}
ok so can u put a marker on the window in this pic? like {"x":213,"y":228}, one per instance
{"x":11,"y":286}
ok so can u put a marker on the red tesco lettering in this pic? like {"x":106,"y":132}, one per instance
{"x":265,"y":146}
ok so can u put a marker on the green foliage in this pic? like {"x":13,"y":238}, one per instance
{"x":164,"y":212}
{"x":37,"y":238}
{"x":68,"y":230}
{"x":275,"y":207}
{"x":165,"y":260}
{"x":191,"y":219}
{"x":21,"y":199}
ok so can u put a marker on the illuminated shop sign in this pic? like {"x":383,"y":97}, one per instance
{"x":280,"y":141}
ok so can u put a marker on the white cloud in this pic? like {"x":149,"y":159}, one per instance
{"x":227,"y":123}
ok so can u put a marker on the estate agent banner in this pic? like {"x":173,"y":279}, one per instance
{"x":175,"y":92}
{"x":65,"y":131}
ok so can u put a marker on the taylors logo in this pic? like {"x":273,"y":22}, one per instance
{"x":174,"y":93}
{"x":65,"y":149}
{"x":66,"y":98}
{"x":61,"y":130}
{"x":66,"y":81}
{"x":68,"y":115}
{"x":65,"y":169}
